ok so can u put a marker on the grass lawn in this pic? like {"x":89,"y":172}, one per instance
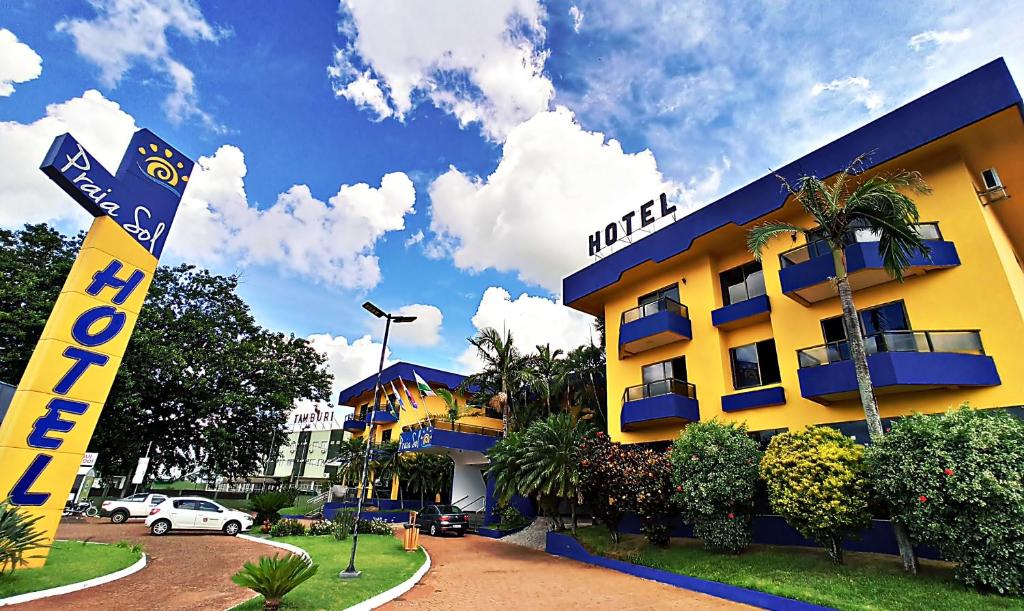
{"x":866,"y":581}
{"x":301,"y":507}
{"x":69,"y":562}
{"x":381,"y":559}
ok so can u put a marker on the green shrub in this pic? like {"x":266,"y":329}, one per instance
{"x":287,"y":528}
{"x":714,"y":470}
{"x":274,"y":577}
{"x":510,"y":518}
{"x":320,"y":527}
{"x":343,"y":522}
{"x":601,"y":480}
{"x":19,"y":538}
{"x":269,"y":504}
{"x":957,"y":481}
{"x":375,"y":526}
{"x":817,"y":481}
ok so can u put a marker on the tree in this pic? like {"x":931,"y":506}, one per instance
{"x":817,"y":480}
{"x":957,"y":481}
{"x":585,"y":383}
{"x":454,"y":411}
{"x":714,"y":469}
{"x":200,"y":380}
{"x":546,"y":373}
{"x":502,"y":375}
{"x":550,"y":462}
{"x":505,"y":466}
{"x":601,"y":477}
{"x":840,"y":207}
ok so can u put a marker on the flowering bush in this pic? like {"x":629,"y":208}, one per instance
{"x":817,"y":481}
{"x":714,"y":471}
{"x":320,"y":527}
{"x":957,"y":481}
{"x":615,"y":479}
{"x":287,"y":528}
{"x":375,"y":526}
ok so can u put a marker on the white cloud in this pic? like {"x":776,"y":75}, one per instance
{"x":424,"y":331}
{"x":18,"y":62}
{"x":532,"y":320}
{"x":125,"y":32}
{"x":577,"y":18}
{"x":556,"y":183}
{"x":478,"y":60}
{"x":331,"y":242}
{"x":938,"y":38}
{"x":26,"y":194}
{"x":857,"y":87}
{"x":350,"y":362}
{"x":414,"y":239}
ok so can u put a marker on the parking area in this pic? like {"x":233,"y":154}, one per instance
{"x":186,"y":570}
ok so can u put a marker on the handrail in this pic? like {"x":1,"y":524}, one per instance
{"x":434,"y":422}
{"x":963,"y":341}
{"x":667,"y":386}
{"x":858,"y":235}
{"x":661,"y":305}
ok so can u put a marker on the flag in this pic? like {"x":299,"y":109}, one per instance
{"x":423,"y":386}
{"x":408,"y":394}
{"x":398,"y":397}
{"x":387,"y":397}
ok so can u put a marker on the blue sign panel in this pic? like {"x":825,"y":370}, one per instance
{"x":127,"y":197}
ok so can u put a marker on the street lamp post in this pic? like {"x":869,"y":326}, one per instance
{"x":351,"y":572}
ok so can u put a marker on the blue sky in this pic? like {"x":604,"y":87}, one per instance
{"x":450,"y":158}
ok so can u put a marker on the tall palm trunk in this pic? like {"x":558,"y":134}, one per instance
{"x":855,"y":341}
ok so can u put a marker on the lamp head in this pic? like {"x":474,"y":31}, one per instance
{"x":372,"y":309}
{"x":403,"y":318}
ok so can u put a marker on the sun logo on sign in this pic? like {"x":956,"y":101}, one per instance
{"x":162,"y":167}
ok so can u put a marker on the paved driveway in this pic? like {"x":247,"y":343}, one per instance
{"x":185,"y":570}
{"x":477,"y":573}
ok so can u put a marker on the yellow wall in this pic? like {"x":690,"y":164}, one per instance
{"x":433,"y":407}
{"x":985,"y":292}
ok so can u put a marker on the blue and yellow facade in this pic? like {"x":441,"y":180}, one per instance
{"x":698,"y":330}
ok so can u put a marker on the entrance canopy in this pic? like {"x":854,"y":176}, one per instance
{"x":445,"y":438}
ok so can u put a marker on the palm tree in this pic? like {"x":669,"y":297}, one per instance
{"x":388,"y":464}
{"x":546,"y":373}
{"x":504,"y":460}
{"x":502,"y":373}
{"x":454,"y":411}
{"x":585,"y":382}
{"x":840,"y":207}
{"x":275,"y":576}
{"x":550,"y":461}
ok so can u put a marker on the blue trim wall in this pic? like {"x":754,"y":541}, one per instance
{"x":403,"y":371}
{"x":970,"y":98}
{"x":735,"y":314}
{"x":900,"y":369}
{"x":558,"y":544}
{"x":430,"y":437}
{"x":662,"y":408}
{"x":764,"y":397}
{"x":665,"y":321}
{"x":860,"y":256}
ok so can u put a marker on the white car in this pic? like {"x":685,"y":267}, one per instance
{"x":196,"y":513}
{"x":134,"y":506}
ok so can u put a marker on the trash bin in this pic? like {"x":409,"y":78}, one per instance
{"x":412,"y":537}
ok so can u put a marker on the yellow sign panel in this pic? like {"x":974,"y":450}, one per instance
{"x":58,"y":402}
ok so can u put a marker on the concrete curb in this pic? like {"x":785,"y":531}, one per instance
{"x":76,"y":587}
{"x":298,"y":551}
{"x":395,"y":592}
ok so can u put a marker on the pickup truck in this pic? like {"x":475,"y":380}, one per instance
{"x":134,"y":506}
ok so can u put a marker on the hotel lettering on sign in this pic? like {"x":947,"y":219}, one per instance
{"x":633,"y":220}
{"x":58,"y":402}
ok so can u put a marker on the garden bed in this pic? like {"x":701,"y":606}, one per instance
{"x":866,"y":581}
{"x":381,"y":559}
{"x":69,"y":562}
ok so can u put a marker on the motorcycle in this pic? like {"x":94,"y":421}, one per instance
{"x":80,"y":509}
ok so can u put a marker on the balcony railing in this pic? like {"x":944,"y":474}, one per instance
{"x":820,"y":248}
{"x":657,"y":388}
{"x":962,"y":342}
{"x":665,"y":304}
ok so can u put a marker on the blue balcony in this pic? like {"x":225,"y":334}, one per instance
{"x":898,"y":361}
{"x":763,"y":397}
{"x":742,"y":313}
{"x":382,"y":416}
{"x":659,"y":404}
{"x":652,"y":325}
{"x":353,"y":424}
{"x":439,"y":437}
{"x":807,"y":271}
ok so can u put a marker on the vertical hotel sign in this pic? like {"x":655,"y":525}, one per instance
{"x":58,"y":401}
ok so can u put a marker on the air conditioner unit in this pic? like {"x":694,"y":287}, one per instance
{"x":991,"y":179}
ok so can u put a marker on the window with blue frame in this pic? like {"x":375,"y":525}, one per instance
{"x":874,"y":322}
{"x":755,"y":365}
{"x":742,"y":283}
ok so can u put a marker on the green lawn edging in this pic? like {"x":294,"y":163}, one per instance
{"x":383,"y":561}
{"x":866,"y":581}
{"x":69,"y":563}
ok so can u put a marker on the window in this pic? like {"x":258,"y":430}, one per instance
{"x":886,"y":317}
{"x":665,"y":370}
{"x":670,"y":292}
{"x":755,"y":365}
{"x":185,"y":504}
{"x":206,"y":506}
{"x":157,"y":499}
{"x":385,"y":436}
{"x":742,"y":283}
{"x":136,"y":498}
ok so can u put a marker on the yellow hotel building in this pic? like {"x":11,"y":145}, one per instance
{"x":426,"y":427}
{"x":697,"y":330}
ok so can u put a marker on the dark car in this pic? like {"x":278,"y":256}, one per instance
{"x":437,"y":519}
